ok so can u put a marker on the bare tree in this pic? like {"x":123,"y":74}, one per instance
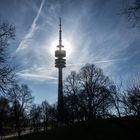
{"x":45,"y":113}
{"x":36,"y":117}
{"x":72,"y":90}
{"x":4,"y":111}
{"x":21,"y":99}
{"x":7,"y":74}
{"x":72,"y":85}
{"x":95,"y":86}
{"x":116,"y":99}
{"x":131,"y":96}
{"x":52,"y":117}
{"x":88,"y":94}
{"x":132,"y":100}
{"x":132,"y":10}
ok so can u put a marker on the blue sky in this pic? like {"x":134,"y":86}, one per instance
{"x":94,"y":31}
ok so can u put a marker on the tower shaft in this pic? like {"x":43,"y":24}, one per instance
{"x":60,"y":106}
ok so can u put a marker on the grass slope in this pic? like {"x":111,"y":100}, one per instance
{"x":113,"y":129}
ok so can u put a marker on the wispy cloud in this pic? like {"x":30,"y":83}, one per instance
{"x":96,"y":62}
{"x":26,"y":40}
{"x":103,"y":45}
{"x":38,"y":74}
{"x":44,"y":74}
{"x":38,"y":77}
{"x":96,"y":33}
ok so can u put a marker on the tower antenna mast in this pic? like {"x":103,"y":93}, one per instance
{"x":60,"y":32}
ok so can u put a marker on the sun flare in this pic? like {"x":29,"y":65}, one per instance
{"x":67,"y":47}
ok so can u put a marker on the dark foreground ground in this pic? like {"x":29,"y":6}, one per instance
{"x":113,"y":129}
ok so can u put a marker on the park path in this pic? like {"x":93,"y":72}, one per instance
{"x":15,"y":134}
{"x":23,"y":133}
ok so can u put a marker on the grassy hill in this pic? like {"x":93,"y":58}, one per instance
{"x":112,"y":129}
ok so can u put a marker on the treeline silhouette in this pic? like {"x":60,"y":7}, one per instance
{"x":88,"y":94}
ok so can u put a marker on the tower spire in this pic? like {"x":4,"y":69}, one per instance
{"x":60,"y":32}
